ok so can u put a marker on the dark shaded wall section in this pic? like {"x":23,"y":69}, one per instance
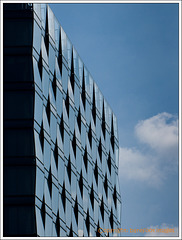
{"x":18,"y":108}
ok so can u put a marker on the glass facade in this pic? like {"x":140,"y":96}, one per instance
{"x":60,"y":135}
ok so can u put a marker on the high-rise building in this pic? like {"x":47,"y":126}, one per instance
{"x":60,"y":135}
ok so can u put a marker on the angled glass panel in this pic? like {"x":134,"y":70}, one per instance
{"x":37,"y":9}
{"x":64,"y":44}
{"x":87,"y":85}
{"x":51,"y":58}
{"x":48,"y":200}
{"x":78,"y":159}
{"x":38,"y":108}
{"x":43,"y":8}
{"x":45,"y":121}
{"x":91,"y":82}
{"x":36,"y":37}
{"x":71,"y":119}
{"x":44,"y":52}
{"x":80,"y":66}
{"x":68,"y":212}
{"x":59,"y":102}
{"x":61,"y":171}
{"x":38,"y":148}
{"x":53,"y":127}
{"x":73,"y":185}
{"x":47,"y":154}
{"x":64,"y":78}
{"x":116,"y":155}
{"x":77,"y":96}
{"x":58,"y":74}
{"x":39,"y":223}
{"x":54,"y":232}
{"x":115,"y":126}
{"x":48,"y":226}
{"x":66,"y":144}
{"x":37,"y":78}
{"x":51,"y":22}
{"x":80,"y":225}
{"x":57,"y":32}
{"x":88,"y":112}
{"x":85,"y":198}
{"x":75,"y":59}
{"x":45,"y":82}
{"x":69,"y":50}
{"x":39,"y":183}
{"x":55,"y":199}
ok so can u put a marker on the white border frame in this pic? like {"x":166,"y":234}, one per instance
{"x":1,"y":103}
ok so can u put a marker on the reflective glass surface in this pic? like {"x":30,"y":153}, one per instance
{"x":61,"y":113}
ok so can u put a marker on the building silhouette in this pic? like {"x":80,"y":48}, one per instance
{"x":61,"y":145}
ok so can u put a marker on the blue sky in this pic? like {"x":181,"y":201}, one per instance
{"x":131,"y":50}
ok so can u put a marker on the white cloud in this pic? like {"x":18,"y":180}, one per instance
{"x":135,"y":165}
{"x":153,"y":165}
{"x":160,"y":133}
{"x":164,"y":230}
